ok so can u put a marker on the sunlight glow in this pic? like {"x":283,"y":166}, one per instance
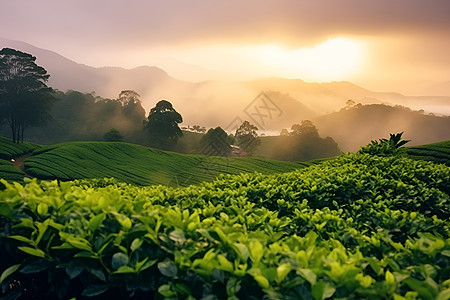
{"x":335,"y":59}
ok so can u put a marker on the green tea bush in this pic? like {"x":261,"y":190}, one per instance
{"x":437,"y":152}
{"x":358,"y":226}
{"x":9,"y":150}
{"x":385,"y":147}
{"x":140,"y":165}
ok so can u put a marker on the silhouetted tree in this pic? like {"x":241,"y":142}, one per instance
{"x":284,"y":132}
{"x":129,"y":97}
{"x":25,"y":98}
{"x":247,"y":138}
{"x":304,"y":143}
{"x":216,"y":142}
{"x":162,"y":125}
{"x":113,"y":135}
{"x":305,"y":129}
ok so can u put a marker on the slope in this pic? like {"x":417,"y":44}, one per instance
{"x":140,"y":165}
{"x":357,"y":126}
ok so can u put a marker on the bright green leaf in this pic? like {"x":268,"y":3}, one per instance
{"x":9,"y":271}
{"x":322,"y":290}
{"x":96,"y":221}
{"x":262,"y":281}
{"x":33,"y":251}
{"x":125,"y":270}
{"x":22,"y":239}
{"x":256,"y":250}
{"x":282,"y":271}
{"x":136,"y":244}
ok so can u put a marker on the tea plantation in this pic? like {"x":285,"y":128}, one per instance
{"x":9,"y":150}
{"x":437,"y":152}
{"x":355,"y":227}
{"x":140,"y":165}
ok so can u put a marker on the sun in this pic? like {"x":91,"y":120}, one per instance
{"x":332,"y":60}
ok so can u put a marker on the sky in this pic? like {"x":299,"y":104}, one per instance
{"x":375,"y":43}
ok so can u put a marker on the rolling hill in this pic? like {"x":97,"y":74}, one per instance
{"x":212,"y":103}
{"x":136,"y":164}
{"x":358,"y":125}
{"x":146,"y":166}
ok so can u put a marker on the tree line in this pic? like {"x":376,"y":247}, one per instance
{"x":51,"y":116}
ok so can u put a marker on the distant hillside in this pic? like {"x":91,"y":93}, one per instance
{"x":357,"y":126}
{"x":213,"y":103}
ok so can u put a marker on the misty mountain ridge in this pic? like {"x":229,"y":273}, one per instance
{"x":356,"y":126}
{"x":212,"y":103}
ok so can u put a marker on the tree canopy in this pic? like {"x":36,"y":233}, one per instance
{"x":303,"y":143}
{"x":216,"y":142}
{"x":247,"y":137}
{"x":25,"y":98}
{"x":162,"y":125}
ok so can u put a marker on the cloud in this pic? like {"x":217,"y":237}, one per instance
{"x":298,"y":22}
{"x":119,"y":33}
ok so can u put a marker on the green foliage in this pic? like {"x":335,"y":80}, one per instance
{"x":85,"y":117}
{"x":247,"y":137}
{"x":358,"y":226}
{"x":162,"y":125}
{"x":437,"y":152}
{"x":303,"y":143}
{"x":385,"y":147}
{"x":9,"y":149}
{"x":113,"y":135}
{"x":139,"y":165}
{"x":9,"y":172}
{"x":25,"y":99}
{"x":216,"y":142}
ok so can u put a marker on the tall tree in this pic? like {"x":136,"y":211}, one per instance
{"x":216,"y":142}
{"x":25,"y":98}
{"x":304,"y":143}
{"x":129,"y":97}
{"x":162,"y":125}
{"x":305,"y":129}
{"x":247,"y":137}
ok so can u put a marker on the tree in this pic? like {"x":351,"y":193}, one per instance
{"x":216,"y":142}
{"x":113,"y":135}
{"x":247,"y":137}
{"x":284,"y":132}
{"x":25,"y":98}
{"x":305,"y":129}
{"x":127,"y":97}
{"x":304,"y":143}
{"x":162,"y":125}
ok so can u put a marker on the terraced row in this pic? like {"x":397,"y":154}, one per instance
{"x":9,"y":150}
{"x":437,"y":152}
{"x":140,"y":165}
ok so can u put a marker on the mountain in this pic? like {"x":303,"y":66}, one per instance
{"x":270,"y":103}
{"x":357,"y":126}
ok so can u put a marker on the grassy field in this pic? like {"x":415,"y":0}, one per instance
{"x":437,"y":152}
{"x":140,"y":165}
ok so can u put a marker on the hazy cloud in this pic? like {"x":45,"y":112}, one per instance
{"x":116,"y":32}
